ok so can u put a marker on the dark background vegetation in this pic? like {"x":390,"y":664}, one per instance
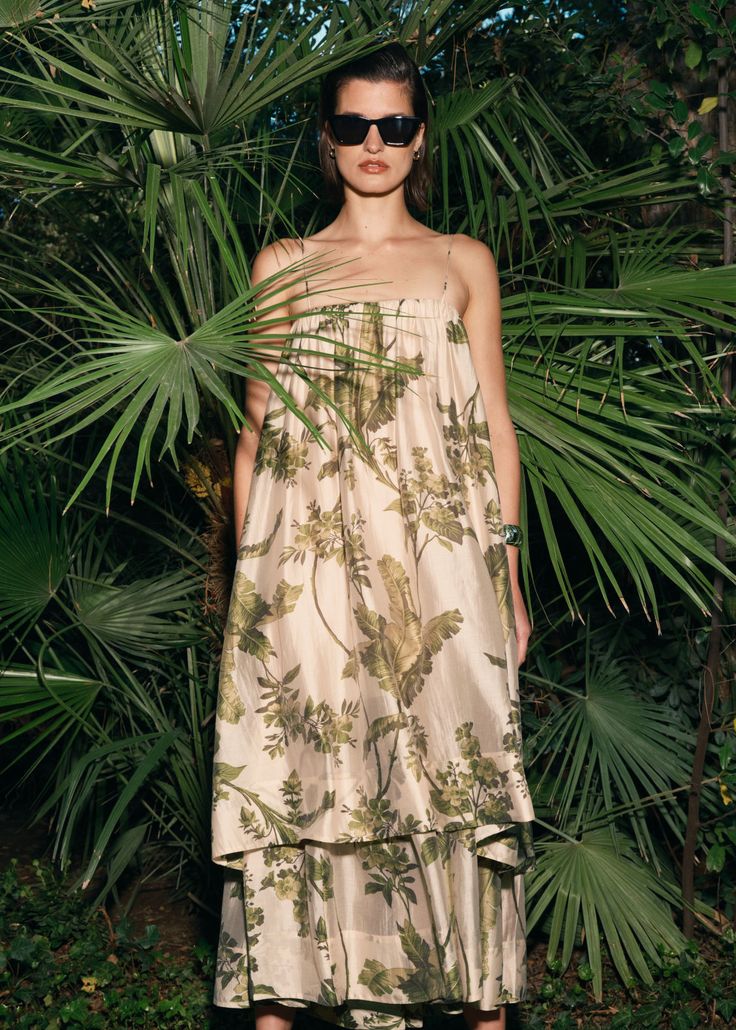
{"x":590,"y":146}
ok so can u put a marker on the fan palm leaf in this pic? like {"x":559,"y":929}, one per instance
{"x":598,"y":882}
{"x":155,"y":378}
{"x":47,"y":707}
{"x":607,"y":743}
{"x":172,"y":66}
{"x":131,"y":615}
{"x":35,"y":553}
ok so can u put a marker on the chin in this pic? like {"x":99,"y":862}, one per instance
{"x":375,"y":186}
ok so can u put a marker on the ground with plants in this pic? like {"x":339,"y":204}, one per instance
{"x":64,"y":966}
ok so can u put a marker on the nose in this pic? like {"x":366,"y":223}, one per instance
{"x":373,"y":140}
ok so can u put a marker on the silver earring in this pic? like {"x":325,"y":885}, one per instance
{"x":332,"y":152}
{"x":416,"y":155}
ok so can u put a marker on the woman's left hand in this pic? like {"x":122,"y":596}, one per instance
{"x":521,"y":618}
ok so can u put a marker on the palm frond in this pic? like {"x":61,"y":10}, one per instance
{"x":35,"y":554}
{"x":607,"y":740}
{"x":598,"y":882}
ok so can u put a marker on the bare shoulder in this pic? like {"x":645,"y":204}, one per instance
{"x":274,"y":257}
{"x":474,"y":256}
{"x":475,"y":272}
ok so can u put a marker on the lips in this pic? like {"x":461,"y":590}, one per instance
{"x":372,"y":166}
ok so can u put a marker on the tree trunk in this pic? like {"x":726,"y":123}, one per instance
{"x":713,"y":661}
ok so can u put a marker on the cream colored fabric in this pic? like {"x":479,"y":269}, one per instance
{"x":369,"y":790}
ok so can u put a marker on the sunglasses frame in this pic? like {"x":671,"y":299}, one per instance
{"x":367,"y":122}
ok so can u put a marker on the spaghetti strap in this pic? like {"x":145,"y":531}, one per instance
{"x":447,"y":267}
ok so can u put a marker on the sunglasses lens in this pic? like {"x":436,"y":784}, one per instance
{"x":350,"y":129}
{"x":398,"y":131}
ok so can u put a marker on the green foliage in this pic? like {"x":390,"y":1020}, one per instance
{"x":608,"y":735}
{"x":688,"y":989}
{"x":672,"y":89}
{"x":147,"y":150}
{"x":109,"y":680}
{"x":62,"y":965}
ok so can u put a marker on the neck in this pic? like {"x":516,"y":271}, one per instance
{"x":372,"y":219}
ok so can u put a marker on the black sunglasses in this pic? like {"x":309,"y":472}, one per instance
{"x":396,"y":131}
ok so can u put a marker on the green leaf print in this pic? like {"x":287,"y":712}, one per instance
{"x":248,"y":610}
{"x":221,"y":773}
{"x":229,"y":706}
{"x":493,"y":517}
{"x":487,"y":891}
{"x":262,"y":547}
{"x":392,"y":872}
{"x":426,"y":979}
{"x":378,"y":978}
{"x":292,"y":792}
{"x":327,"y":993}
{"x":399,"y":652}
{"x":431,"y":500}
{"x":318,"y":724}
{"x":284,"y":600}
{"x":470,"y":458}
{"x":442,"y":521}
{"x":368,"y":394}
{"x":381,"y":726}
{"x":430,"y":849}
{"x":417,"y":744}
{"x":441,"y":628}
{"x":321,"y":535}
{"x":341,"y":462}
{"x":457,"y":333}
{"x":328,"y":469}
{"x":281,"y":453}
{"x":388,"y":452}
{"x":500,"y":663}
{"x":231,"y":963}
{"x":442,"y":845}
{"x":281,"y":825}
{"x":473,"y":789}
{"x":498,"y":567}
{"x":321,"y":876}
{"x":373,"y":817}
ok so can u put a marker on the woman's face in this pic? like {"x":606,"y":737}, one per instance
{"x":372,"y":167}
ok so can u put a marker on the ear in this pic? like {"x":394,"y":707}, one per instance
{"x":419,"y":138}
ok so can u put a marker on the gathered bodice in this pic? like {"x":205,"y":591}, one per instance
{"x":427,"y":331}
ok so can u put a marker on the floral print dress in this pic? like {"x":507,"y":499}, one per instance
{"x":370,"y":803}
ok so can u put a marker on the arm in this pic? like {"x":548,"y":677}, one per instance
{"x":267,"y":263}
{"x":482,"y":319}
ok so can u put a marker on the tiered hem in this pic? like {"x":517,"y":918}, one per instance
{"x":378,"y":934}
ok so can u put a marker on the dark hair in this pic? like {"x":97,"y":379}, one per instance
{"x":390,"y":63}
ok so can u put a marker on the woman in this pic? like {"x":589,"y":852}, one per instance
{"x":370,"y":801}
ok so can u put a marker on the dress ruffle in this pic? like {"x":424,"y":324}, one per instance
{"x":375,"y":934}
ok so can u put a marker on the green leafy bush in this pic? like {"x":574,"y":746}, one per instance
{"x":64,"y":966}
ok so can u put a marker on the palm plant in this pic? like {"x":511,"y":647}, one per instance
{"x":95,"y":690}
{"x":189,"y":119}
{"x":610,"y":766}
